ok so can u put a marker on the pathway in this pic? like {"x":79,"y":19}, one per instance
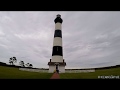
{"x":55,"y":76}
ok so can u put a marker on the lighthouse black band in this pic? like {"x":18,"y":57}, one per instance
{"x":58,"y":33}
{"x":57,"y":50}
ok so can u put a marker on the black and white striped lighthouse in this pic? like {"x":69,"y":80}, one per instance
{"x":57,"y":62}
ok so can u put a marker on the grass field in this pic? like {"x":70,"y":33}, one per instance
{"x":15,"y":73}
{"x":92,"y":75}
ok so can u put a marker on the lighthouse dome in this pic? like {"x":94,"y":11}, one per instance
{"x":58,"y":19}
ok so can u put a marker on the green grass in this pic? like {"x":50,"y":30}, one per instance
{"x":15,"y":73}
{"x":91,"y":75}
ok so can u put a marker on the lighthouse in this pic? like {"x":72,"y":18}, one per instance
{"x":57,"y":62}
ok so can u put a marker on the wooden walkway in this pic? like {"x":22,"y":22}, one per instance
{"x":55,"y":76}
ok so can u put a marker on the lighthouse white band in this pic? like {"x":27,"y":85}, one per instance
{"x":57,"y":59}
{"x":58,"y":26}
{"x":57,"y":41}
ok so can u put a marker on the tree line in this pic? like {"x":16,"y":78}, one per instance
{"x":13,"y":60}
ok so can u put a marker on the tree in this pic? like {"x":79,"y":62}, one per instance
{"x":12,"y":60}
{"x":29,"y":65}
{"x":22,"y":63}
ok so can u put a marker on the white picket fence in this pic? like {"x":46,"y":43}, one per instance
{"x":79,"y":71}
{"x":34,"y":70}
{"x":66,"y":71}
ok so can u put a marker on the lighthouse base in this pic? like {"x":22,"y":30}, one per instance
{"x":53,"y":68}
{"x":57,"y":66}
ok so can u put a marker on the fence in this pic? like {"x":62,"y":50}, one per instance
{"x":46,"y":70}
{"x":34,"y":70}
{"x":79,"y":71}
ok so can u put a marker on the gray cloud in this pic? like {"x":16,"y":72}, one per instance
{"x":90,"y":38}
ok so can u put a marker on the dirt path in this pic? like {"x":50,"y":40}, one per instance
{"x":55,"y":76}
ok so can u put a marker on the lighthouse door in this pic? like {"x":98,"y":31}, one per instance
{"x":56,"y":67}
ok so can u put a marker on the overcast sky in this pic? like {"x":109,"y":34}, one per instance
{"x":90,"y":38}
